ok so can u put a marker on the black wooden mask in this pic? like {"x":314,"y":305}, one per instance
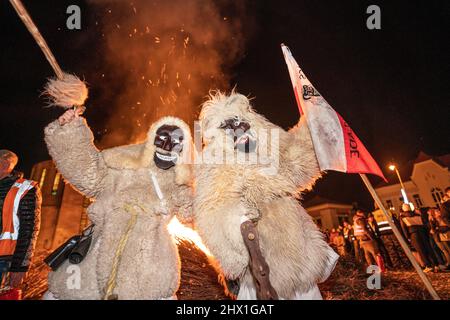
{"x":240,"y":130}
{"x":169,"y":144}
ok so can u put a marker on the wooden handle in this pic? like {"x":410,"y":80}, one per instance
{"x":258,"y":265}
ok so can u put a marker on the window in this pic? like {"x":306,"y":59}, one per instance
{"x":56,"y":184}
{"x":437,"y":195}
{"x":418,"y":201}
{"x":41,"y":181}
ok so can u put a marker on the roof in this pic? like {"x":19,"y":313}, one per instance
{"x":318,"y":200}
{"x":406,"y":169}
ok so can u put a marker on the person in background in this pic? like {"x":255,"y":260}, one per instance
{"x":366,"y":240}
{"x":439,"y":231}
{"x":436,"y":250}
{"x":376,"y":231}
{"x":357,"y":251}
{"x":20,"y":207}
{"x":339,"y":242}
{"x":348,"y":235}
{"x":333,"y":235}
{"x":414,"y":230}
{"x":445,"y":206}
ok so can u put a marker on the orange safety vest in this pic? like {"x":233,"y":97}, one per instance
{"x":10,"y":218}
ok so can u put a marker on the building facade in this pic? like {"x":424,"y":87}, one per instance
{"x":63,"y":212}
{"x":425,"y":180}
{"x":328,"y":214}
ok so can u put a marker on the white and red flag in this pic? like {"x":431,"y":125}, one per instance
{"x":336,"y":145}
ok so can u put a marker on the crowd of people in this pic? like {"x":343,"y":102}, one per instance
{"x":361,"y":239}
{"x":426,"y":230}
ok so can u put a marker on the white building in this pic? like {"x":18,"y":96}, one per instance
{"x":425,"y":180}
{"x":326,"y":213}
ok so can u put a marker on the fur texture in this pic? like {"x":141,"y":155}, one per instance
{"x":117,"y":178}
{"x":66,"y":92}
{"x":227,"y":194}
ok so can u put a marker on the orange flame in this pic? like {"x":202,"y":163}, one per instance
{"x":180,"y":232}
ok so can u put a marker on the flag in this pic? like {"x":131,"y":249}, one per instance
{"x":336,"y":145}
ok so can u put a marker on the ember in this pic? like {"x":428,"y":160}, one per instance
{"x":169,"y":66}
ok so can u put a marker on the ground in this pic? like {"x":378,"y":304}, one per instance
{"x":347,"y":282}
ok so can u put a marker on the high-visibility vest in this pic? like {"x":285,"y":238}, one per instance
{"x":358,"y":230}
{"x":413,"y":221}
{"x":10,"y":218}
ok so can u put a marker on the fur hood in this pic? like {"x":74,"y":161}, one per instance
{"x":140,"y":155}
{"x":221,"y":106}
{"x":271,"y":140}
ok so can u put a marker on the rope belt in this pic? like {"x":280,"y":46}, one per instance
{"x":118,"y":255}
{"x":124,"y":238}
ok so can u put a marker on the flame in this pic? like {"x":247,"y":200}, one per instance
{"x":180,"y":232}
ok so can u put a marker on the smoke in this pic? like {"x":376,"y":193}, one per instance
{"x":163,"y":57}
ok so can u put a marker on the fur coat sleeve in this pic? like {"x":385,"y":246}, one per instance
{"x":79,"y":161}
{"x":301,"y":162}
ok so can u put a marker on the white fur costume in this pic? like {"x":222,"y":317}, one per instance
{"x":120,"y":178}
{"x":227,"y":194}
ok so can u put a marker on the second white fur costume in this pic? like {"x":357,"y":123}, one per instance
{"x":228,"y":194}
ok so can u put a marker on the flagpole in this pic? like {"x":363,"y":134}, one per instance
{"x":402,"y":241}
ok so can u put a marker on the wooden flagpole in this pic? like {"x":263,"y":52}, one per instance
{"x":402,"y":241}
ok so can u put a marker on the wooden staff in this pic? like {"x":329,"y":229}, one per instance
{"x":26,"y":19}
{"x":32,"y":28}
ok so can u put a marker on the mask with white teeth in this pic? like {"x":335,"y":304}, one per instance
{"x":243,"y":137}
{"x":169,"y":144}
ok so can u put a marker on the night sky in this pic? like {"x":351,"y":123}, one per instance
{"x":391,"y":85}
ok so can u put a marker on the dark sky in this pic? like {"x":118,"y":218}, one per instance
{"x":391,"y":85}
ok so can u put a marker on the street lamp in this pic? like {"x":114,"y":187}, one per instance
{"x":392,"y":167}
